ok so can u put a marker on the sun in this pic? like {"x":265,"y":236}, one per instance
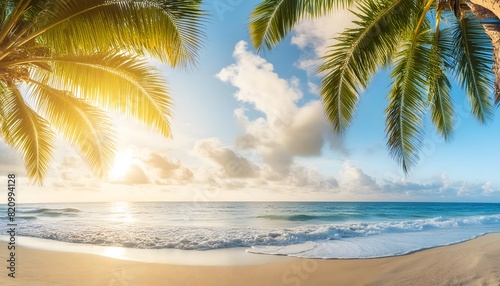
{"x":122,"y":164}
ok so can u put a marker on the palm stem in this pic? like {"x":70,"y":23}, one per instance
{"x":422,"y":18}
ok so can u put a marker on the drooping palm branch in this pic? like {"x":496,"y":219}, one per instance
{"x":421,"y":41}
{"x":272,"y":20}
{"x":63,"y":62}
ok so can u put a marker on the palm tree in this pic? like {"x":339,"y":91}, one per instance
{"x":420,"y":41}
{"x":62,"y":63}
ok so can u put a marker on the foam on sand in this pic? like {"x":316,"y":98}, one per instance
{"x":471,"y":263}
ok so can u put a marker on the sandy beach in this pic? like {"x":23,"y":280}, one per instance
{"x":474,"y":262}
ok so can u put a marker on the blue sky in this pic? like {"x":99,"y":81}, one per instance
{"x":249,"y":126}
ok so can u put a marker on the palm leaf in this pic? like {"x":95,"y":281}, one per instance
{"x":6,"y":7}
{"x":117,"y":82}
{"x":4,"y":92}
{"x":271,"y":20}
{"x":440,"y":59}
{"x":82,"y":124}
{"x":167,"y":30}
{"x":404,"y":115}
{"x":351,"y":63}
{"x":28,"y":133}
{"x":11,"y":12}
{"x":474,"y":61}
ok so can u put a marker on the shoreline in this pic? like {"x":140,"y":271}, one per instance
{"x":233,"y":256}
{"x":473,"y":262}
{"x":214,"y":257}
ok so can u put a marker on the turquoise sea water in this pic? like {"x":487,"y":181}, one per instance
{"x":303,"y":229}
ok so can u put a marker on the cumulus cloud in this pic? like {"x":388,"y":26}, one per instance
{"x":489,"y":189}
{"x":287,"y":130}
{"x":236,"y":171}
{"x":310,"y":177}
{"x":314,"y":36}
{"x":70,"y":174}
{"x":230,"y":163}
{"x":354,"y":178}
{"x":439,"y":188}
{"x":228,"y":170}
{"x":259,"y":85}
{"x":133,"y":176}
{"x":167,"y":171}
{"x":355,"y":183}
{"x":138,"y":167}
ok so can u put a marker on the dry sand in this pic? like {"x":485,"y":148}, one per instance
{"x":476,"y":262}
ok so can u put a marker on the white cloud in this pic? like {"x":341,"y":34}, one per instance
{"x":489,"y":189}
{"x":314,"y":36}
{"x":235,"y":171}
{"x":259,"y":85}
{"x":231,"y":164}
{"x":310,"y":177}
{"x":73,"y":173}
{"x":134,"y":176}
{"x":286,"y":130}
{"x":166,"y":171}
{"x":353,"y":178}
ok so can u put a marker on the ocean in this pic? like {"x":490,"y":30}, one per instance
{"x":325,"y":230}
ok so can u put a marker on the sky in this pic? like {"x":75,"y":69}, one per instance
{"x":249,"y":126}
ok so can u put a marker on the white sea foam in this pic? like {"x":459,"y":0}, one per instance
{"x":320,"y":230}
{"x":321,"y":241}
{"x":217,"y":257}
{"x":389,"y":244}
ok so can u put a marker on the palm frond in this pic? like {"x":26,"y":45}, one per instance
{"x":473,"y":67}
{"x":11,"y":14}
{"x":5,"y":10}
{"x":351,"y":63}
{"x":407,"y":98}
{"x":83,"y":125}
{"x":167,"y":30}
{"x":272,"y":20}
{"x":440,"y":59}
{"x":28,"y":133}
{"x":4,"y":92}
{"x":116,"y":82}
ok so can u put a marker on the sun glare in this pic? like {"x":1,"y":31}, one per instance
{"x":121,"y":212}
{"x":113,"y":252}
{"x":122,"y":164}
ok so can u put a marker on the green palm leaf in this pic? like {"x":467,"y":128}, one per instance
{"x":167,"y":30}
{"x":117,"y":82}
{"x":83,"y":125}
{"x":76,"y":56}
{"x":271,"y":20}
{"x":351,"y":63}
{"x":474,"y":61}
{"x":28,"y":133}
{"x":404,"y":115}
{"x":440,"y":59}
{"x":395,"y":34}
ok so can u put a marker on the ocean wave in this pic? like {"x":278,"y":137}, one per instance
{"x":390,"y":244}
{"x":206,"y":238}
{"x":48,"y":210}
{"x":26,"y":217}
{"x":304,"y":217}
